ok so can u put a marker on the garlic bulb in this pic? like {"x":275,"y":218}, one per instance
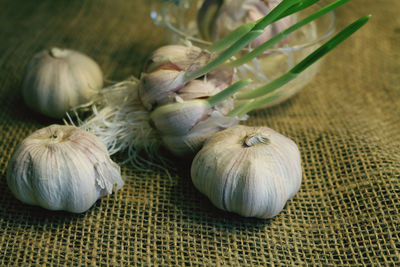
{"x":62,"y":168}
{"x":251,"y":171}
{"x":57,"y":80}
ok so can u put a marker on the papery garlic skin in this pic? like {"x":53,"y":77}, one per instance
{"x":179,"y":57}
{"x":179,"y":118}
{"x":62,"y":168}
{"x":57,"y":80}
{"x":251,"y":171}
{"x":159,"y":87}
{"x":198,"y":89}
{"x":191,"y":142}
{"x":163,"y":86}
{"x":164,"y":77}
{"x":184,"y":126}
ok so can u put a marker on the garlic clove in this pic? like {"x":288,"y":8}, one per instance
{"x":57,"y":80}
{"x":165,"y":78}
{"x":191,"y":142}
{"x":198,"y":89}
{"x":62,"y":168}
{"x":183,"y":126}
{"x":179,"y":57}
{"x":159,"y":87}
{"x":251,"y":171}
{"x":221,"y":78}
{"x":178,"y":118}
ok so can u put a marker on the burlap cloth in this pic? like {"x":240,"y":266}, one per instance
{"x":346,"y":123}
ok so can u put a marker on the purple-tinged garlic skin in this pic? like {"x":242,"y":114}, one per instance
{"x":179,"y":57}
{"x":251,"y":171}
{"x":62,"y":168}
{"x":159,"y":87}
{"x":163,"y":81}
{"x":179,"y":110}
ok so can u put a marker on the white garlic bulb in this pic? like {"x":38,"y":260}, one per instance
{"x":251,"y":171}
{"x":57,"y":80}
{"x":62,"y":168}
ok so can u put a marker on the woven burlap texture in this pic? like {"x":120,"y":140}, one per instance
{"x":346,"y":124}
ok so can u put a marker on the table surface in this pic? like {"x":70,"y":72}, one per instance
{"x":345,"y":122}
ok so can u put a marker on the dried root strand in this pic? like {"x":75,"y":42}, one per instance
{"x":119,"y":119}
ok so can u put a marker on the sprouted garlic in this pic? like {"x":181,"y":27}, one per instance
{"x":164,"y":101}
{"x":233,"y":13}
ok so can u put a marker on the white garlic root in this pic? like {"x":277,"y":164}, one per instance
{"x":57,"y":80}
{"x":121,"y":122}
{"x":251,"y":171}
{"x":124,"y":114}
{"x":62,"y":168}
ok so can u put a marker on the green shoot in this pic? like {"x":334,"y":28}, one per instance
{"x":251,"y":104}
{"x":257,"y":30}
{"x":260,"y":49}
{"x":331,"y":44}
{"x":242,"y":30}
{"x":296,"y":8}
{"x":235,"y":48}
{"x":227,"y":92}
{"x":269,"y":87}
{"x":309,"y":60}
{"x":231,"y":38}
{"x":275,"y":14}
{"x":241,"y":109}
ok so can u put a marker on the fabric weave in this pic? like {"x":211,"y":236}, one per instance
{"x":346,"y":124}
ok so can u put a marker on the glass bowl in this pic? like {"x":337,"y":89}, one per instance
{"x":178,"y":17}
